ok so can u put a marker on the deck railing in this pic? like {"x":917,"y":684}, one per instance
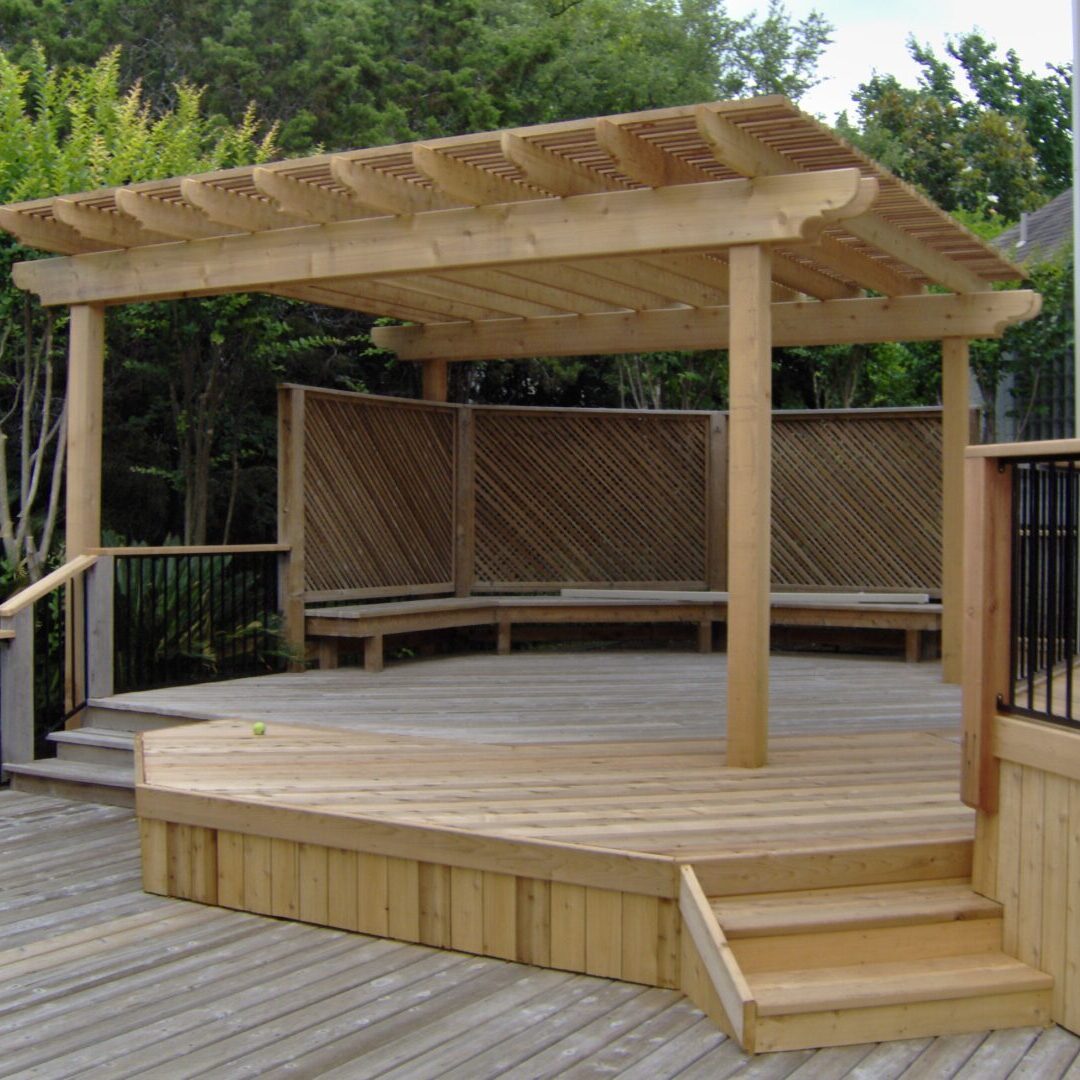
{"x":1021,"y":596}
{"x":43,"y":662}
{"x":122,"y":619}
{"x":1044,"y":610}
{"x":194,"y":614}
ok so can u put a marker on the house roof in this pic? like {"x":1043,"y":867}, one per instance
{"x":1042,"y":234}
{"x":680,"y":170}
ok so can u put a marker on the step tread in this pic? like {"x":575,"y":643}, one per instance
{"x":94,"y":736}
{"x":78,"y":772}
{"x":855,"y":907}
{"x":897,"y":982}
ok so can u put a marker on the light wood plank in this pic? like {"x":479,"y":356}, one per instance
{"x":830,"y":322}
{"x":749,"y":496}
{"x":603,"y":932}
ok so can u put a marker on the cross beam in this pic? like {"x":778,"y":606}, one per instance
{"x":624,"y":223}
{"x":830,"y":322}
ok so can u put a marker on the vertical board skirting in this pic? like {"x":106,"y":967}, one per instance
{"x":1035,"y":857}
{"x":550,"y":924}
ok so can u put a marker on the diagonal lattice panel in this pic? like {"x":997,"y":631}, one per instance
{"x":378,"y":493}
{"x":571,"y":498}
{"x":857,"y":501}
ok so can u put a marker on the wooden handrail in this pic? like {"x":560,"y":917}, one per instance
{"x":1045,"y":449}
{"x":32,"y":593}
{"x":197,"y":549}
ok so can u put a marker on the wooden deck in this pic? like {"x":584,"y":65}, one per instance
{"x":99,"y":979}
{"x":559,"y":696}
{"x":674,"y":800}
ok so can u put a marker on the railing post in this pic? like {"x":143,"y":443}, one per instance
{"x":100,"y":623}
{"x":987,"y":585}
{"x":17,"y":688}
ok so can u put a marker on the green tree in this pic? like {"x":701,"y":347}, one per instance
{"x":996,"y":150}
{"x":345,"y":73}
{"x":64,"y":130}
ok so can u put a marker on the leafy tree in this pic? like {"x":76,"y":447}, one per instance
{"x":994,"y":151}
{"x":68,"y":130}
{"x":345,"y":73}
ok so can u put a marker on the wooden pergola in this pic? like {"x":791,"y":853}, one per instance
{"x":739,"y":225}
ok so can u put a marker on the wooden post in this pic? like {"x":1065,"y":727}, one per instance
{"x":100,"y":642}
{"x":986,"y":604}
{"x":291,"y":515}
{"x":86,"y":380}
{"x":749,"y":509}
{"x":17,"y":689}
{"x":436,"y":379}
{"x":716,"y":503}
{"x":464,"y":501}
{"x":956,"y":428}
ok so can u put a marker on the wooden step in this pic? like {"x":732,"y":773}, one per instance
{"x":823,"y":910}
{"x":102,"y":713}
{"x":81,"y":780}
{"x":98,"y":746}
{"x":900,"y":999}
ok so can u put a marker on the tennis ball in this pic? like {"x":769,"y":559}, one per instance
{"x":258,"y":728}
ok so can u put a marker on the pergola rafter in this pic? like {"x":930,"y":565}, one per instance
{"x":737,"y":225}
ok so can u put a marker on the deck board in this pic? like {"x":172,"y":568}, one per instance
{"x":141,"y":985}
{"x":675,"y":799}
{"x":563,"y":696}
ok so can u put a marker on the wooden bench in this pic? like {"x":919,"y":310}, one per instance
{"x":329,"y":628}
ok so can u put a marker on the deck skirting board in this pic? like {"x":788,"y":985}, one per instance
{"x":592,"y":930}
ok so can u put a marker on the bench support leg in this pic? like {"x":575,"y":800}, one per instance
{"x":912,"y":646}
{"x":373,"y":653}
{"x":704,"y":636}
{"x":502,"y":643}
{"x":327,"y":652}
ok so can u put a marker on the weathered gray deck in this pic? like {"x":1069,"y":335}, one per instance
{"x":100,"y":980}
{"x":546,"y":696}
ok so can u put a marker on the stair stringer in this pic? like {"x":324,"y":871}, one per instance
{"x":710,"y":975}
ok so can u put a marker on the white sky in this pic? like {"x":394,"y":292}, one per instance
{"x":870,"y":37}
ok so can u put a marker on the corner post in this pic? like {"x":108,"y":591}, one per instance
{"x":956,"y":429}
{"x":749,"y":503}
{"x":86,"y":382}
{"x":86,"y":405}
{"x":291,"y":516}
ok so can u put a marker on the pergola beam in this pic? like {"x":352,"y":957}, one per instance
{"x":652,"y":165}
{"x":105,"y":227}
{"x":625,"y":223}
{"x":929,"y":317}
{"x":744,"y":153}
{"x":307,"y":201}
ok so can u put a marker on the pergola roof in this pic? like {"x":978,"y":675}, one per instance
{"x":886,"y":237}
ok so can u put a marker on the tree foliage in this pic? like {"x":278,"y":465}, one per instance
{"x":63,"y":130}
{"x":346,"y":73}
{"x":994,"y":148}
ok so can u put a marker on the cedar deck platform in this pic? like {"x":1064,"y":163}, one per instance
{"x":609,"y":856}
{"x":98,"y":979}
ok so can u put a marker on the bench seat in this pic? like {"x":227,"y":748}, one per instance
{"x":370,"y":623}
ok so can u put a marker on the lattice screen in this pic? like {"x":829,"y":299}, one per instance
{"x":857,"y":500}
{"x":568,"y":497}
{"x":378,"y":493}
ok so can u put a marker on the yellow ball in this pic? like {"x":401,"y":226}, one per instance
{"x":258,"y":728}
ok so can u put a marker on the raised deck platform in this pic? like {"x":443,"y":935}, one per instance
{"x":614,"y":859}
